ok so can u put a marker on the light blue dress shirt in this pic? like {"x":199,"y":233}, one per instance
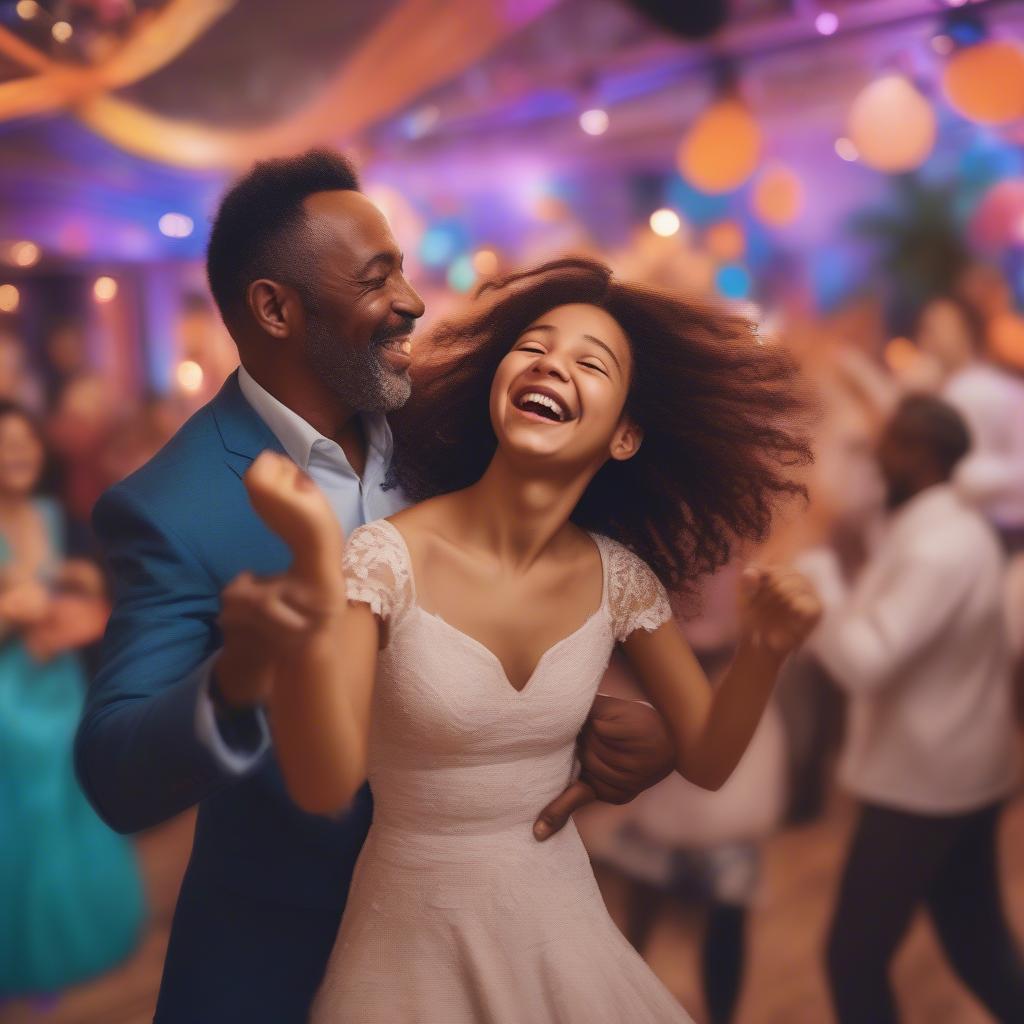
{"x":356,"y":500}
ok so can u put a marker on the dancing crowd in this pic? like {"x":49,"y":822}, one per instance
{"x":571,"y":440}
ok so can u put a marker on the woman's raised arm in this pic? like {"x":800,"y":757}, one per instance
{"x":712,"y":728}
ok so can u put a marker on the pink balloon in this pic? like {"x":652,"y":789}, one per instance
{"x":998,"y":220}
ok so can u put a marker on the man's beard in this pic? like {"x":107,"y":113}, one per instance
{"x":359,"y":377}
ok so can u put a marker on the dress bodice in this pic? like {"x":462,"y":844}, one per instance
{"x":454,"y":747}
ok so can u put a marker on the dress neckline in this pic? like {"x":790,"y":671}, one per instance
{"x":482,"y":647}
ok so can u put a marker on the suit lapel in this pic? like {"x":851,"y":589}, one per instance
{"x":242,"y":432}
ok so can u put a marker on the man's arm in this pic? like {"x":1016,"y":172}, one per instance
{"x":138,"y":751}
{"x":625,"y":748}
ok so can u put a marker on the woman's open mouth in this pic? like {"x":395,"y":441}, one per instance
{"x":543,"y":405}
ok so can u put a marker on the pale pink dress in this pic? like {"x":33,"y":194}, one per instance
{"x":456,"y":914}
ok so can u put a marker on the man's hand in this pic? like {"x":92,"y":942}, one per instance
{"x":261,"y":620}
{"x":625,"y":748}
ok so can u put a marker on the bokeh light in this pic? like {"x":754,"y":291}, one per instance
{"x":461,"y":274}
{"x":826,"y":23}
{"x":25,"y":254}
{"x":189,"y":376}
{"x":438,"y":245}
{"x":104,"y":289}
{"x":27,"y":9}
{"x":725,"y":241}
{"x":9,"y":298}
{"x":733,"y":281}
{"x":485,"y":262}
{"x":62,"y":31}
{"x":665,"y":222}
{"x":595,"y":121}
{"x":176,"y":225}
{"x":846,"y":149}
{"x":778,"y":196}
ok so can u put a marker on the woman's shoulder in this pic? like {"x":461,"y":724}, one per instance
{"x":636,"y":596}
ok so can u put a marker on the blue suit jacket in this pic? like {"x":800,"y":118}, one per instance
{"x":174,"y":534}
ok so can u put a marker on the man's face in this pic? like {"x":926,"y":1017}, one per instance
{"x":362,"y":310}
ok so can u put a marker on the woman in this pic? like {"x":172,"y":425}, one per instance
{"x":69,"y":887}
{"x":576,"y":445}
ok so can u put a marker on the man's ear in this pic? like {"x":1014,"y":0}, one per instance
{"x":275,"y":307}
{"x":627,"y":440}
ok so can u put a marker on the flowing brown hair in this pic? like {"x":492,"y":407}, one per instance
{"x":721,"y":415}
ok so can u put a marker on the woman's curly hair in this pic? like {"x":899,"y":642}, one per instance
{"x":721,"y":415}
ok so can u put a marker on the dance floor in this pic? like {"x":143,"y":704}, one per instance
{"x":784,"y":984}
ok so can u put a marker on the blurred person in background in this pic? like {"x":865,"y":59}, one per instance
{"x":79,"y":428}
{"x":679,"y":843}
{"x":17,"y":382}
{"x":991,"y":401}
{"x":66,"y":358}
{"x":919,"y":644}
{"x":70,"y":891}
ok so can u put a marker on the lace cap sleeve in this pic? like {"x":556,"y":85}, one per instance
{"x":636,"y":597}
{"x":377,"y":570}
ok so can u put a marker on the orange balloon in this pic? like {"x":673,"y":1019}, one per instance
{"x":985,"y":82}
{"x":721,"y":149}
{"x":725,"y":241}
{"x":778,"y":196}
{"x":892,"y":125}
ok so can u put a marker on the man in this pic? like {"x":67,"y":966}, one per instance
{"x":991,"y":401}
{"x":309,"y":282}
{"x":920,"y":647}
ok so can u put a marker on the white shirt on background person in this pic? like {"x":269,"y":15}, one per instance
{"x":920,"y":646}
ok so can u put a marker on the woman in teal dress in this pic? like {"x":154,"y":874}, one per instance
{"x":71,"y":903}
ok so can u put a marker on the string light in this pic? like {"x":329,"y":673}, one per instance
{"x":25,"y":254}
{"x":104,"y":289}
{"x":190,"y":376}
{"x":846,"y":149}
{"x":665,"y":222}
{"x":176,"y":225}
{"x":485,"y":262}
{"x":594,"y":122}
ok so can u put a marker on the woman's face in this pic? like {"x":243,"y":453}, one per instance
{"x":560,"y":392}
{"x":21,"y":456}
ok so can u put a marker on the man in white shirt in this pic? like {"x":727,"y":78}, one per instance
{"x":920,"y":647}
{"x":309,"y":281}
{"x":991,"y":401}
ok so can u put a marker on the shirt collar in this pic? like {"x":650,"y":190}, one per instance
{"x":298,"y":437}
{"x":930,"y":505}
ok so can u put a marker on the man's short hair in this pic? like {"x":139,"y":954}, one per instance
{"x":258,"y":228}
{"x":936,"y":426}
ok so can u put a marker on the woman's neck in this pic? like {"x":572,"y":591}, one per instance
{"x":517,"y":515}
